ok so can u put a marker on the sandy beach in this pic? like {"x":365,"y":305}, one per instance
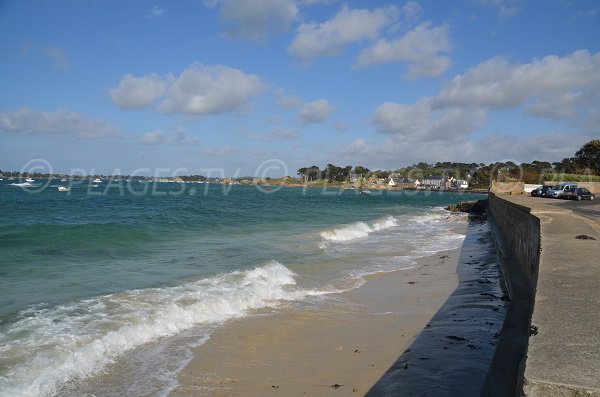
{"x":415,"y":329}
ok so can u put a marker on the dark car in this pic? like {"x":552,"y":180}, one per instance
{"x":540,"y":191}
{"x":578,"y":193}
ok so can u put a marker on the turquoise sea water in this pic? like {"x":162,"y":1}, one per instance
{"x":136,"y":273}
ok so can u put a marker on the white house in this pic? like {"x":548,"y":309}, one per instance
{"x":461,"y":184}
{"x":396,"y":180}
{"x":434,"y":182}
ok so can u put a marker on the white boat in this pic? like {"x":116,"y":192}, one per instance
{"x":29,"y":180}
{"x":63,"y":189}
{"x":97,"y":180}
{"x":63,"y":180}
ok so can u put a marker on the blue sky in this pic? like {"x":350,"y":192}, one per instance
{"x":264,"y":87}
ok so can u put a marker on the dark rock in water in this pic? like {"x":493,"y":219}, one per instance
{"x":584,"y":237}
{"x":533,"y":330}
{"x":457,"y":338}
{"x":472,"y":207}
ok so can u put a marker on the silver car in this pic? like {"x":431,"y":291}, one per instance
{"x":558,"y":190}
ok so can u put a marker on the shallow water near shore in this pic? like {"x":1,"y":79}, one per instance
{"x":93,"y":285}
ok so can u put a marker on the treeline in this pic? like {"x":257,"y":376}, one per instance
{"x":333,"y":173}
{"x":586,"y":163}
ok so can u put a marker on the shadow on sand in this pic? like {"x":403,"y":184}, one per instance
{"x":452,"y":355}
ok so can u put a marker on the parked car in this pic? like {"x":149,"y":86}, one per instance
{"x":578,"y":193}
{"x":540,"y":191}
{"x":558,"y":190}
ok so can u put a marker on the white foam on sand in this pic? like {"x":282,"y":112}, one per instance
{"x":48,"y":348}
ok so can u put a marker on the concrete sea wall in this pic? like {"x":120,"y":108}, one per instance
{"x":520,"y":234}
{"x":550,"y":342}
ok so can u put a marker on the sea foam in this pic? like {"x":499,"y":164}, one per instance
{"x":47,"y":348}
{"x":357,"y":230}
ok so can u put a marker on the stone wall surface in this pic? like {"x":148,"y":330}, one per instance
{"x":549,"y":252}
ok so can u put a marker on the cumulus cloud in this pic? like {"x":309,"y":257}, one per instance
{"x":564,"y":89}
{"x":139,"y":92}
{"x":316,"y":112}
{"x":60,"y":122}
{"x":392,"y":152}
{"x":506,"y":8}
{"x":202,"y":90}
{"x":422,"y":48}
{"x":155,"y":12}
{"x":289,"y":101}
{"x":154,"y":138}
{"x":552,"y":146}
{"x":550,"y":87}
{"x":255,"y":19}
{"x":421,"y":122}
{"x":198,"y":90}
{"x":158,"y":137}
{"x":347,"y":26}
{"x":58,"y":57}
{"x":218,"y":150}
{"x":283,"y":134}
{"x":411,"y":11}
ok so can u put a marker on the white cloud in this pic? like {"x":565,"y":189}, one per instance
{"x":316,"y":112}
{"x":58,"y":57}
{"x":420,"y":47}
{"x":202,"y":90}
{"x":553,"y":87}
{"x":564,"y":89}
{"x":314,"y":2}
{"x":198,"y":90}
{"x":180,"y":138}
{"x":395,"y":152}
{"x":421,"y":122}
{"x":347,"y":26}
{"x":255,"y":19}
{"x":154,"y":138}
{"x":218,"y":150}
{"x":548,"y":146}
{"x":139,"y":92}
{"x":155,"y":12}
{"x":289,"y":101}
{"x":158,"y":137}
{"x":283,"y":134}
{"x":411,"y":11}
{"x":60,"y":122}
{"x":506,"y":8}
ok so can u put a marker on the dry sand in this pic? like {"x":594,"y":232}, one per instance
{"x":342,"y":346}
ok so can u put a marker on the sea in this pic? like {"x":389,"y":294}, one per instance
{"x":120,"y":279}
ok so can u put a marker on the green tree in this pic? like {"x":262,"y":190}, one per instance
{"x":362,"y":171}
{"x":589,"y":156}
{"x":381,"y":174}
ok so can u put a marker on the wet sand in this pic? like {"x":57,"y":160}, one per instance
{"x":401,"y":332}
